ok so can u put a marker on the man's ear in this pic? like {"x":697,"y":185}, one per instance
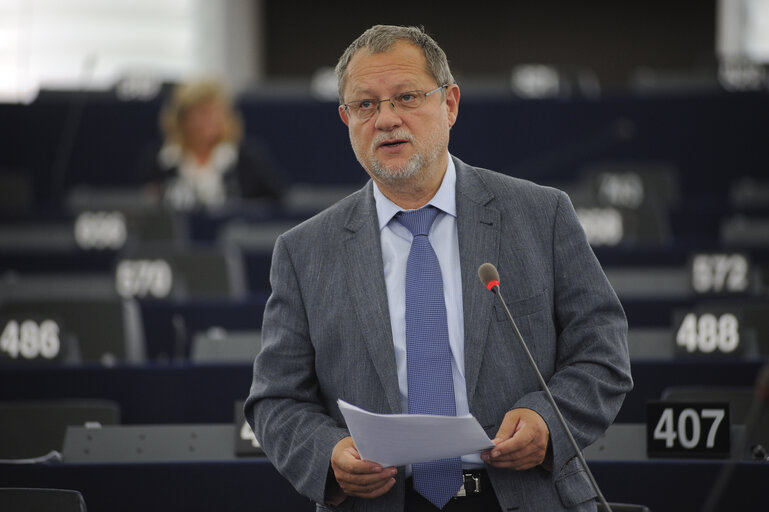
{"x":343,"y":115}
{"x":452,"y":103}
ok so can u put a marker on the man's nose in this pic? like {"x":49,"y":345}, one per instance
{"x":387,"y":116}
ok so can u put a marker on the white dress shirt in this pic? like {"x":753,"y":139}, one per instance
{"x":396,"y":245}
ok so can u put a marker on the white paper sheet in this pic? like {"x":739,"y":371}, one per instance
{"x":400,"y":439}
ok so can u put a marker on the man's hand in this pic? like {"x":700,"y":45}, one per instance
{"x":359,"y":477}
{"x":521,"y":441}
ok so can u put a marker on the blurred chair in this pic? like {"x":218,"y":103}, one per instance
{"x":259,"y":236}
{"x":651,"y":282}
{"x":309,"y":199}
{"x":748,"y":193}
{"x":126,"y":199}
{"x":70,"y":330}
{"x":16,"y":499}
{"x":222,"y":346}
{"x":17,"y":193}
{"x":633,"y":184}
{"x":37,"y":236}
{"x":739,"y":398}
{"x":160,"y":271}
{"x":634,"y":195}
{"x":143,"y":219}
{"x":650,"y":343}
{"x":69,"y":285}
{"x":31,"y":429}
{"x":621,"y":441}
{"x":745,"y":231}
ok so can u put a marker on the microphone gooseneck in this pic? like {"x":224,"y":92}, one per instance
{"x":490,"y":278}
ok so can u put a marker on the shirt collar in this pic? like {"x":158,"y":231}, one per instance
{"x":445,"y":199}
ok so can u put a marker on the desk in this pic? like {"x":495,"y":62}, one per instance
{"x":254,"y":484}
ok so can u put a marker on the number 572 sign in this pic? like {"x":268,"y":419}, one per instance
{"x":687,"y":429}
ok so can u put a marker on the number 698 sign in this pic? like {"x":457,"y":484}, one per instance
{"x":687,"y":429}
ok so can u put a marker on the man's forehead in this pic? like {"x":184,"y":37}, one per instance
{"x":402,"y":65}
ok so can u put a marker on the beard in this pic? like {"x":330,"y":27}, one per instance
{"x":434,"y":145}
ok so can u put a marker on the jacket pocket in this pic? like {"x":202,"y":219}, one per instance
{"x":573,"y":485}
{"x":522,"y":307}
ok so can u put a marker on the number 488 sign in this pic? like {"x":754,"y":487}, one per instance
{"x":708,"y":333}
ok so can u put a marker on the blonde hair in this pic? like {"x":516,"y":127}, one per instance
{"x":186,"y":97}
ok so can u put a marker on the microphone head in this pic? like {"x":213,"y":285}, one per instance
{"x":489,"y":275}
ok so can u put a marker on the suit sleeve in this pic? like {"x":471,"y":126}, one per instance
{"x":284,"y":406}
{"x":592,"y":370}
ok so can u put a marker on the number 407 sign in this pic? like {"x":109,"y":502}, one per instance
{"x":687,"y":429}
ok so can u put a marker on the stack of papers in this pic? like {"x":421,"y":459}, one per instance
{"x":400,"y":439}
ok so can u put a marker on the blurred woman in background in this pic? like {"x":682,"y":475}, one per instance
{"x":204,"y":161}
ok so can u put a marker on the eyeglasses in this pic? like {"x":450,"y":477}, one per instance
{"x":409,"y":100}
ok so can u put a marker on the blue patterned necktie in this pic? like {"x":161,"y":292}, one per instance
{"x":428,"y":354}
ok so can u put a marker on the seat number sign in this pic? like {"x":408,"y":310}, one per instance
{"x":687,"y":429}
{"x":144,"y":278}
{"x":709,"y":333}
{"x":720,"y":274}
{"x":29,"y":340}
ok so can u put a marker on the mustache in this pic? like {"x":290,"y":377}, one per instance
{"x":395,"y":134}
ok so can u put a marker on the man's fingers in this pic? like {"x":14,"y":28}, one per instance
{"x":521,"y":442}
{"x":507,"y":428}
{"x":524,"y":440}
{"x":366,"y":485}
{"x":349,"y":461}
{"x":358,"y":477}
{"x":371,"y":491}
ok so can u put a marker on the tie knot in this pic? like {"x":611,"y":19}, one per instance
{"x":418,"y":221}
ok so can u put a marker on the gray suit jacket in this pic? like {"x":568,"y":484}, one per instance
{"x":326,"y":335}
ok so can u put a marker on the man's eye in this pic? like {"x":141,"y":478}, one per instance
{"x":366,"y":104}
{"x":408,"y":97}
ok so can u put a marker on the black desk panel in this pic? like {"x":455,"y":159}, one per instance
{"x":186,"y":393}
{"x":249,"y":485}
{"x":152,"y":394}
{"x":254,"y":484}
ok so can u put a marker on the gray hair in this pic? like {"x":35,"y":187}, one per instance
{"x":381,"y":38}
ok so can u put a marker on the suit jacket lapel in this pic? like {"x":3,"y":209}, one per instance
{"x":479,"y":231}
{"x":368,"y":292}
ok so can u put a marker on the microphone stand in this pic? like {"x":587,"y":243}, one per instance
{"x":546,"y":389}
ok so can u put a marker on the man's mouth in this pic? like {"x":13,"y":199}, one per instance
{"x":393,"y":143}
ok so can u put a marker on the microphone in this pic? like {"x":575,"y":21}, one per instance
{"x":490,"y":279}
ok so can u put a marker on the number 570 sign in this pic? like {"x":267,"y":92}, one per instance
{"x":687,"y":429}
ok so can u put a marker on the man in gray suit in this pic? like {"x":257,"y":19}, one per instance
{"x":335,"y":324}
